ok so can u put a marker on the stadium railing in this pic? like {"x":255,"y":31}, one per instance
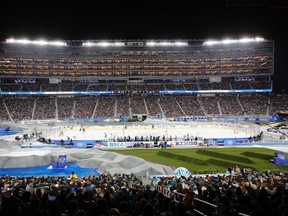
{"x":203,"y":204}
{"x":179,"y":197}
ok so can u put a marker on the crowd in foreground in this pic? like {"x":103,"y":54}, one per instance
{"x":234,"y":192}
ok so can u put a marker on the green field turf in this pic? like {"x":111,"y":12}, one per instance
{"x":209,"y":160}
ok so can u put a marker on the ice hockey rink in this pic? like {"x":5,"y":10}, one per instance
{"x":152,"y":128}
{"x":121,"y":131}
{"x":148,"y":130}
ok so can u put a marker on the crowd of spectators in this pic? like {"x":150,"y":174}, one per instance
{"x":169,"y":106}
{"x":45,"y":108}
{"x":89,"y":103}
{"x":230,"y":106}
{"x":20,"y":107}
{"x":256,"y":106}
{"x":236,"y":191}
{"x":127,"y":105}
{"x":137,"y":105}
{"x":210,"y":105}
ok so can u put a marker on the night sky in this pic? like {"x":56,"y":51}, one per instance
{"x":146,"y":20}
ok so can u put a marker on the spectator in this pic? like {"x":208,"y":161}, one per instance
{"x":73,"y":176}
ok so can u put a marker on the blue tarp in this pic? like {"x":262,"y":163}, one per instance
{"x":7,"y":131}
{"x":40,"y":171}
{"x":280,"y":159}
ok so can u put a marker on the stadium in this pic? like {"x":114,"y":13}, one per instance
{"x":76,"y":100}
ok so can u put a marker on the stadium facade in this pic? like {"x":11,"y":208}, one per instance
{"x":137,"y":60}
{"x":132,"y":78}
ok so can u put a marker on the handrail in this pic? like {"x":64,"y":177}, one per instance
{"x":166,"y":192}
{"x":207,"y":203}
{"x":242,"y":214}
{"x":200,"y":213}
